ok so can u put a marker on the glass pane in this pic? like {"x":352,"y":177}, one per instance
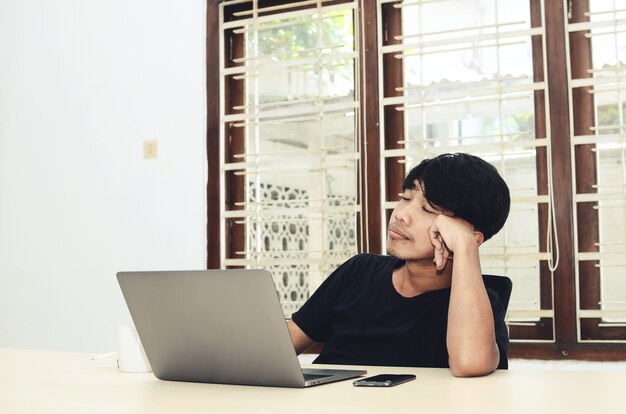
{"x":299,"y":160}
{"x":468,"y":86}
{"x":612,"y":216}
{"x":601,"y":161}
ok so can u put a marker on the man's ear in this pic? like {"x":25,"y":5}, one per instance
{"x":479,"y":237}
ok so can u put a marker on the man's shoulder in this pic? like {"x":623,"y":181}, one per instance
{"x":371,"y":259}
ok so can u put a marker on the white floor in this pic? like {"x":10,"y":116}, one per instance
{"x":534,"y":364}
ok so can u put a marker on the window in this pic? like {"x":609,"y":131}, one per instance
{"x":596,"y":86}
{"x":326,"y":104}
{"x":290,"y":168}
{"x":466,"y":82}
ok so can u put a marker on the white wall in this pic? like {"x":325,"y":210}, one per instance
{"x":82,"y":84}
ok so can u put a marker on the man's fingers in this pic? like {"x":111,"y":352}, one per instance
{"x":441,"y":250}
{"x":441,"y":256}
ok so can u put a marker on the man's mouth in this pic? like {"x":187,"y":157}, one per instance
{"x":397,"y":234}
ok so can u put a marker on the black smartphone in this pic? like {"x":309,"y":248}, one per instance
{"x":384,"y":380}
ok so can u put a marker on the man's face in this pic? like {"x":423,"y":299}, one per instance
{"x":407,"y":236}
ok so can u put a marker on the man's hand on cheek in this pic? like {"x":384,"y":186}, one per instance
{"x":447,"y":235}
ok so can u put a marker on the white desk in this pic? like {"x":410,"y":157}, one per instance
{"x":58,"y":382}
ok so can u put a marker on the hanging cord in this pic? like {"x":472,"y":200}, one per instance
{"x":552,"y":236}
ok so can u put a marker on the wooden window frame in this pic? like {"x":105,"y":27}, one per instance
{"x":565,"y":344}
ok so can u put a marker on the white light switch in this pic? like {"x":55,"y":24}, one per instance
{"x":151,"y":148}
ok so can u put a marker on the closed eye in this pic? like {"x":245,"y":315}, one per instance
{"x":428,"y":211}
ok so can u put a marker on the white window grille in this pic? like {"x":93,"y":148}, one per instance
{"x":299,"y":120}
{"x":468,"y":86}
{"x":605,"y":81}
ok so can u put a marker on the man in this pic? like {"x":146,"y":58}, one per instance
{"x":425,"y":304}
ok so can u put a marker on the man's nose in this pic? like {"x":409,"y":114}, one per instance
{"x":402,"y":212}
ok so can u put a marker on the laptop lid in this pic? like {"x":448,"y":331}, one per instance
{"x":219,"y":326}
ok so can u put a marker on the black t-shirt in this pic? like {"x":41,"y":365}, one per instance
{"x":362,"y":320}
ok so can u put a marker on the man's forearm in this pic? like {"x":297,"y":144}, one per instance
{"x":470,"y":338}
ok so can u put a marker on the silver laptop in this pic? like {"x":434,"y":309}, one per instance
{"x":218,"y":326}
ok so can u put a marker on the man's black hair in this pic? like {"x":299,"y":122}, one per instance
{"x":465,"y":185}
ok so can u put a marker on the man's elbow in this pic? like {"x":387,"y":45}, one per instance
{"x":473,"y":365}
{"x":471,"y":371}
